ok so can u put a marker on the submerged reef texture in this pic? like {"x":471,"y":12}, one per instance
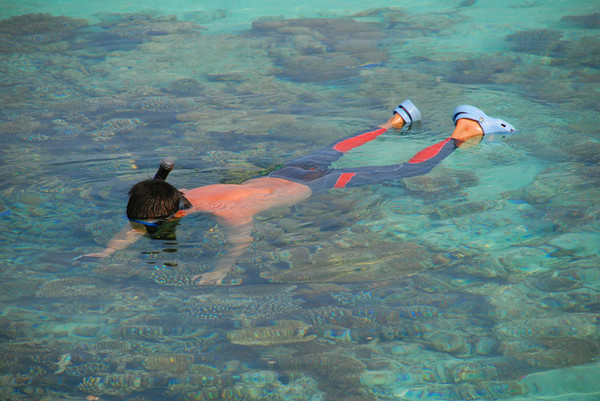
{"x":539,"y":41}
{"x":320,"y":49}
{"x":476,"y":281}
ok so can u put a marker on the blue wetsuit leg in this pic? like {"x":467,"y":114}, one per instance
{"x":315,"y":165}
{"x":422,"y":163}
{"x":320,"y":179}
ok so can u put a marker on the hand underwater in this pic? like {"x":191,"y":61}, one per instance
{"x":107,"y":252}
{"x":214,"y":278}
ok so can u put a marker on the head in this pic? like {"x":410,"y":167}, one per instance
{"x":154,"y":200}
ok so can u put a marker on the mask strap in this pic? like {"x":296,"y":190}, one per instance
{"x":145,"y":223}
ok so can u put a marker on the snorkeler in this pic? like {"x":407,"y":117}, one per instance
{"x":153,"y":202}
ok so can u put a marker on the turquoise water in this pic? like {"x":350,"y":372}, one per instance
{"x":479,"y":280}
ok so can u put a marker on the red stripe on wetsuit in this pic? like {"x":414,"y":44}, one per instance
{"x":358,"y":140}
{"x":349,"y":144}
{"x":429,"y":153}
{"x":343,"y":180}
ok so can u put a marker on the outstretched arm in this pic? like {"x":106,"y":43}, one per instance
{"x":121,"y":240}
{"x":238,"y":234}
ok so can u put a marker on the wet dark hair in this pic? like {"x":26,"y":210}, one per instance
{"x":154,"y":199}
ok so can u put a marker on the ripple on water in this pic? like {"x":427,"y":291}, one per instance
{"x":432,"y":288}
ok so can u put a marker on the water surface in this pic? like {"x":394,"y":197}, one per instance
{"x":478,"y":280}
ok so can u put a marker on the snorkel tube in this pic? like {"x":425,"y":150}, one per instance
{"x":166,"y":165}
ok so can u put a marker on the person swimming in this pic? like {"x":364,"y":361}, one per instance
{"x":153,"y":202}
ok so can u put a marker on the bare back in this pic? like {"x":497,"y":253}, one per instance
{"x":237,"y":204}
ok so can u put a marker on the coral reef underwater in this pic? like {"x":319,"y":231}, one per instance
{"x":432,"y":288}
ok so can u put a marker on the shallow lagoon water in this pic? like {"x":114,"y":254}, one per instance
{"x":478,"y":280}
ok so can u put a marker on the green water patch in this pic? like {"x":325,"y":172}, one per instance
{"x":478,"y":280}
